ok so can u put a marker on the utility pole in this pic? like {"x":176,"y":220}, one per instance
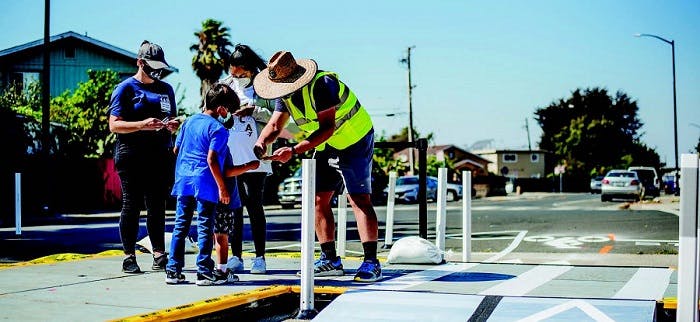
{"x":407,"y":61}
{"x":46,"y":109}
{"x":527,"y":128}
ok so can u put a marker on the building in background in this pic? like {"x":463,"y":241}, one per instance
{"x":71,"y":56}
{"x":515,"y":164}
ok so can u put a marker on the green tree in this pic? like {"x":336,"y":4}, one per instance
{"x":84,"y":113}
{"x":592,"y":132}
{"x":211,"y":53}
{"x":402,"y":136}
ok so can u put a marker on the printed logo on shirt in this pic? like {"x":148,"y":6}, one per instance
{"x":164,"y":103}
{"x":249,"y":129}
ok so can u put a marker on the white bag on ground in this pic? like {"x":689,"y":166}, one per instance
{"x":414,"y":250}
{"x":190,"y":245}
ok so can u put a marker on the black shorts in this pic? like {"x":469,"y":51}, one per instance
{"x":223,"y":223}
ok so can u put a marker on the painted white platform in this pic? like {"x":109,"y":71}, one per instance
{"x":368,"y":305}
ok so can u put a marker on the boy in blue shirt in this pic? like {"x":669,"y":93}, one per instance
{"x":201,"y":149}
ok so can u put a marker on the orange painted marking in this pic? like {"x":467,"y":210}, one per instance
{"x":605,"y":249}
{"x":611,"y":236}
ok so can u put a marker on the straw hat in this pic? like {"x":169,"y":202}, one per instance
{"x":284,"y":75}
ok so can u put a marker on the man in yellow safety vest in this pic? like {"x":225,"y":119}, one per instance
{"x":341,"y":131}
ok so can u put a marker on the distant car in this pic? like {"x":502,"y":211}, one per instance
{"x":407,"y":189}
{"x":289,"y":191}
{"x":650,"y":180}
{"x":596,"y":183}
{"x":621,"y":184}
{"x":669,"y":183}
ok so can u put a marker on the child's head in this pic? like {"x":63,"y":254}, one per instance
{"x":223,"y":101}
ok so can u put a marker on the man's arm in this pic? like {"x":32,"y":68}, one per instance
{"x":271,"y":131}
{"x":326,"y":123}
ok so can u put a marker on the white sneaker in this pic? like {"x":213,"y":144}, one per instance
{"x":258,"y":266}
{"x":235,"y":264}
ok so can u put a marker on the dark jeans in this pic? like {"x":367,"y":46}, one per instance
{"x":250,"y":189}
{"x":144,"y":180}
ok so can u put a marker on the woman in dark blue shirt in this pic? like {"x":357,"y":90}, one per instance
{"x":142,"y":114}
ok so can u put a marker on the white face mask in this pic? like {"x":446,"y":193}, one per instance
{"x":243,"y":81}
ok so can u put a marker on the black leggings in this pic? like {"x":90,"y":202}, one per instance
{"x":144,"y":178}
{"x":250,"y":189}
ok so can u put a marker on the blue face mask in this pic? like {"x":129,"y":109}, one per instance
{"x":226,"y":121}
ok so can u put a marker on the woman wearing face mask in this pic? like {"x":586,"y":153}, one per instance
{"x":247,"y":124}
{"x":142,"y":113}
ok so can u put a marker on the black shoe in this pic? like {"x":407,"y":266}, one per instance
{"x":129,"y":265}
{"x":210,"y":279}
{"x":159,"y":262}
{"x":174,"y":278}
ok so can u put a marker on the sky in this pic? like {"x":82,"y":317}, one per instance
{"x":480,"y":68}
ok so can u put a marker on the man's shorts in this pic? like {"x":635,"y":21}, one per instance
{"x":350,"y":168}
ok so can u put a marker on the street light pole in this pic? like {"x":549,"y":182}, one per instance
{"x":675,"y":116}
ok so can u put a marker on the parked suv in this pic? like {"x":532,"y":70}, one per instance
{"x":650,"y":180}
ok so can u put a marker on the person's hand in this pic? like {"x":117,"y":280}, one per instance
{"x":152,"y":124}
{"x":224,"y":197}
{"x":282,"y":154}
{"x":172,"y":125}
{"x":259,"y":150}
{"x":245,"y":111}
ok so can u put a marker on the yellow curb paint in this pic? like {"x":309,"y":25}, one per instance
{"x":224,"y":302}
{"x":58,"y":258}
{"x":670,"y":303}
{"x":322,"y":289}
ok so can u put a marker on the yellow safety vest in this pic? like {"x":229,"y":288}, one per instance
{"x":352,"y":122}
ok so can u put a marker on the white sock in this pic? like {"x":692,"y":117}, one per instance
{"x":221,"y":267}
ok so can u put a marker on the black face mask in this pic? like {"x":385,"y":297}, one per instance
{"x":229,"y":123}
{"x":152,"y":73}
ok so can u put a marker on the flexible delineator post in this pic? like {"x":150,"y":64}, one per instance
{"x":308,"y":196}
{"x":441,"y":216}
{"x":390,"y":202}
{"x":687,"y":309}
{"x":466,"y":216}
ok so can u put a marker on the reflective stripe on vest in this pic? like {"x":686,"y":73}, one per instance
{"x":352,"y":122}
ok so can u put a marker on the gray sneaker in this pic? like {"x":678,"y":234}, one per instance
{"x":235,"y":264}
{"x":258,"y":266}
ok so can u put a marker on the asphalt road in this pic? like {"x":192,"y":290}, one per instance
{"x":541,"y":223}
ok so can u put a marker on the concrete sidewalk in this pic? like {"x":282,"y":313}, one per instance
{"x":94,"y":289}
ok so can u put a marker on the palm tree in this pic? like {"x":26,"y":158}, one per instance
{"x":212,"y":53}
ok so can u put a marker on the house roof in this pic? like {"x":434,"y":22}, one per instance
{"x":72,"y":34}
{"x":432,"y":150}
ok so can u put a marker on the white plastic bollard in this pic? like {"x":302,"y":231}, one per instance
{"x":308,"y":196}
{"x":441,"y":219}
{"x":466,"y":216}
{"x":390,"y":202}
{"x":688,"y":240}
{"x":342,"y":222}
{"x":18,"y":203}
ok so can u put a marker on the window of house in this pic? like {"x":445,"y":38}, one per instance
{"x":510,"y":158}
{"x":69,"y":52}
{"x":534,"y":158}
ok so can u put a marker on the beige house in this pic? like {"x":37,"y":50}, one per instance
{"x":462,"y":160}
{"x":515,"y":163}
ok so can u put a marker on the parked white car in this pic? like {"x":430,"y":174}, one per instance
{"x":407,"y":189}
{"x":621,"y":184}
